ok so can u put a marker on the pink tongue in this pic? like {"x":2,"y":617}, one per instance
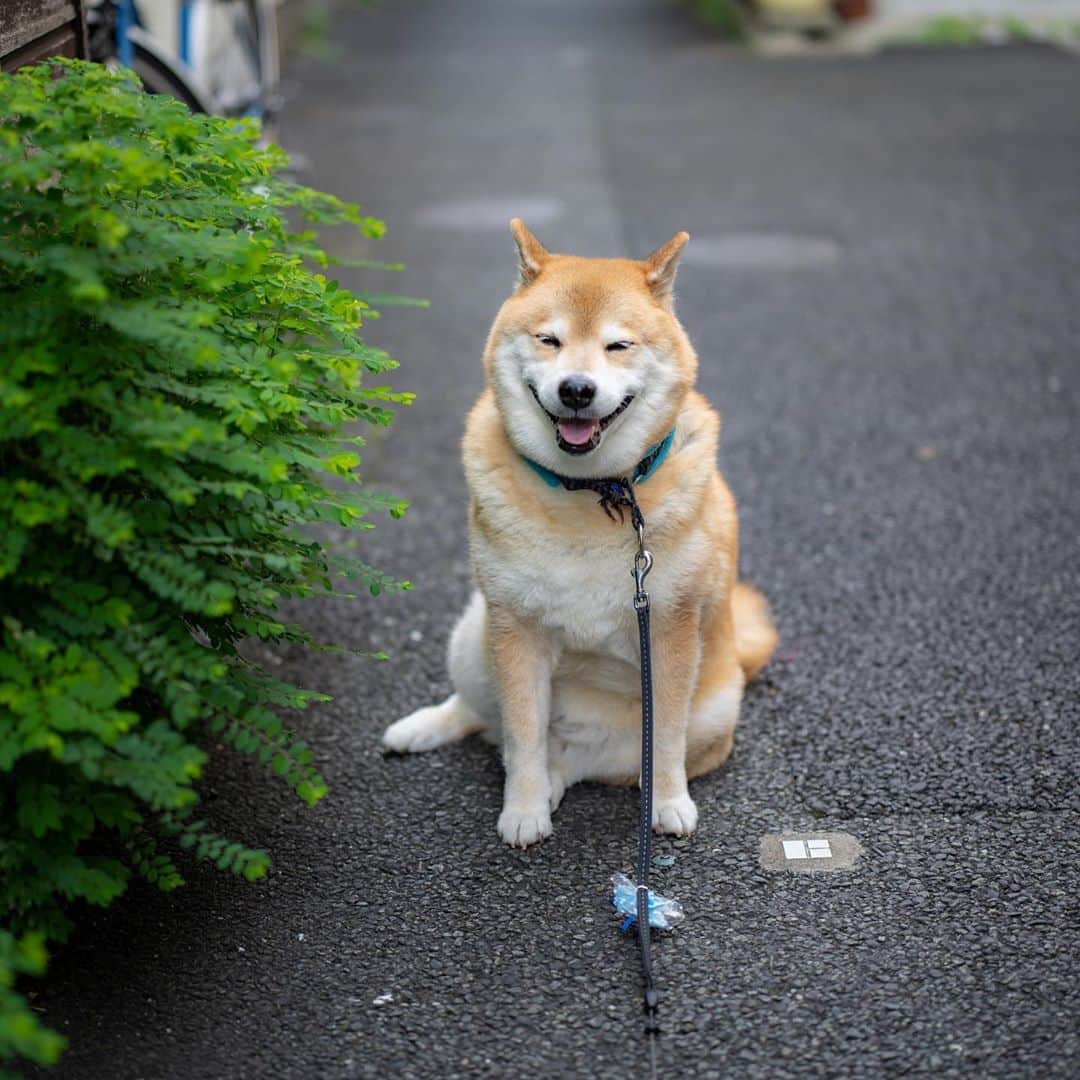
{"x":577,"y":432}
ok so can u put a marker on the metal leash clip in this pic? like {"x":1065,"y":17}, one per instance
{"x":643,"y":561}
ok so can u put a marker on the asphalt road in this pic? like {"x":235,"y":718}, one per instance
{"x":882,"y":287}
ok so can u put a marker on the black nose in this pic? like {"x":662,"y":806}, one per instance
{"x":577,"y":392}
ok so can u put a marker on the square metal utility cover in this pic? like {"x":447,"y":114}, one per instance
{"x":804,"y":853}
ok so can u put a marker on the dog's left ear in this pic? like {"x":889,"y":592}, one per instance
{"x":531,"y":253}
{"x":661,"y":265}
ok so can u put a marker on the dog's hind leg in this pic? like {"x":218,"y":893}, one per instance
{"x":468,"y":664}
{"x":473,"y":707}
{"x":713,"y":717}
{"x":432,"y":726}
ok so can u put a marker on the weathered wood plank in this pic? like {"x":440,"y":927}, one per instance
{"x":29,"y":26}
{"x":61,"y":42}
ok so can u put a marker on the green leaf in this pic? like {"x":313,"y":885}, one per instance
{"x":180,"y":394}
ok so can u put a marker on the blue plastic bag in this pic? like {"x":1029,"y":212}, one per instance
{"x":664,"y":914}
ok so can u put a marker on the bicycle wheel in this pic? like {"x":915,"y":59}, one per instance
{"x":160,"y":71}
{"x":159,"y":77}
{"x":224,"y":51}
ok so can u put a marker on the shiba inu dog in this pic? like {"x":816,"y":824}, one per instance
{"x":590,"y":376}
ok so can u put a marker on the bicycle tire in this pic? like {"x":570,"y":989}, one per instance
{"x":159,"y":78}
{"x":225,"y":55}
{"x":266,"y":21}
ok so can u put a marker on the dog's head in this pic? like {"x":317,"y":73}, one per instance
{"x":587,"y":361}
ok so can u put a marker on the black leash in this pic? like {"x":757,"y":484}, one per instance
{"x":615,"y":496}
{"x":642,"y":565}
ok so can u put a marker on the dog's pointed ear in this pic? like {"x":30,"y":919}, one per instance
{"x":531,"y":253}
{"x":661,"y":265}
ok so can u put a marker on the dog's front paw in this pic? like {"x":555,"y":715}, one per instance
{"x":521,"y":826}
{"x":677,"y":816}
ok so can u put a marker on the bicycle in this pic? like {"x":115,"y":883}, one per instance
{"x":217,"y":56}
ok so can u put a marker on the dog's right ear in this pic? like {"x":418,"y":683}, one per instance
{"x":531,"y":253}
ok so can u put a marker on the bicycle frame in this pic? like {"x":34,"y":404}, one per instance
{"x":181,"y":34}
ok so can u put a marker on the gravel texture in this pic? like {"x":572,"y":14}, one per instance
{"x":901,"y":431}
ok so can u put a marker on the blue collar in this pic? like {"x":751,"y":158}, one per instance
{"x":652,"y":461}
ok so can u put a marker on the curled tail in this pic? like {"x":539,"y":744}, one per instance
{"x":755,"y":635}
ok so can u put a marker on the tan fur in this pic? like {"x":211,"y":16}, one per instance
{"x":555,"y":630}
{"x":755,"y":635}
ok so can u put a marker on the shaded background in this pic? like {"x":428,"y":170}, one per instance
{"x":881,"y":284}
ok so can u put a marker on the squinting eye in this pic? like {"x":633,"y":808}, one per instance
{"x":549,"y":339}
{"x":618,"y":346}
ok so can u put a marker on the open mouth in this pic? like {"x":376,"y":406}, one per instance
{"x":580,"y":434}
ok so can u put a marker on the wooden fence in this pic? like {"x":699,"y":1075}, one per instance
{"x":32,"y":30}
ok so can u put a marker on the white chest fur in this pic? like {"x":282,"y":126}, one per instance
{"x":580,"y":588}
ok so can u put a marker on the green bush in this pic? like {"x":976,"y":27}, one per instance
{"x":726,"y":18}
{"x":174,"y":381}
{"x":951,"y":30}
